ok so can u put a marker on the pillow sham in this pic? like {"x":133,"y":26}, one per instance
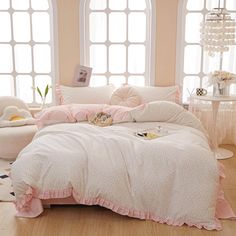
{"x":151,"y":93}
{"x":126,"y":96}
{"x":160,"y":111}
{"x":83,"y":112}
{"x":119,"y":114}
{"x":84,"y":95}
{"x":54,"y":115}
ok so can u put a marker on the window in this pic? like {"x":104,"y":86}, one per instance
{"x":193,"y":64}
{"x":26,"y":49}
{"x":118,"y":41}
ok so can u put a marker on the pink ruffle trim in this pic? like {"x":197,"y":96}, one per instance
{"x":223,"y":209}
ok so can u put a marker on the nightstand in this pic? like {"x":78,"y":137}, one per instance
{"x":220,"y":153}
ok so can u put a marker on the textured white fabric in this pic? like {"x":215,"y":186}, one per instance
{"x":174,"y":177}
{"x":126,"y":96}
{"x":151,"y":93}
{"x":86,"y":95}
{"x":14,"y":139}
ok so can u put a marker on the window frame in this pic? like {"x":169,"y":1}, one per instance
{"x":181,"y":44}
{"x":150,"y":62}
{"x":53,"y":44}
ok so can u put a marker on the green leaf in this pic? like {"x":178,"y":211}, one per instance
{"x":46,"y":91}
{"x":39,"y":92}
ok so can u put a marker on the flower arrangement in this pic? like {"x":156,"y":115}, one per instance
{"x":221,"y":81}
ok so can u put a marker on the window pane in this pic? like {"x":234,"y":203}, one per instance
{"x":21,"y":26}
{"x":192,"y":59}
{"x":205,"y":85}
{"x":137,"y":80}
{"x":190,"y":83}
{"x":23,"y":59}
{"x":42,"y":59}
{"x":210,"y":4}
{"x":98,"y":58}
{"x":5,"y":27}
{"x":117,"y":81}
{"x":195,"y":5}
{"x":97,"y":81}
{"x":6,"y":85}
{"x":4,"y":4}
{"x":136,"y":59}
{"x":24,"y":89}
{"x":117,"y":59}
{"x":41,"y":27}
{"x":117,"y":27}
{"x":39,"y":4}
{"x":20,"y":5}
{"x":117,"y":4}
{"x":231,"y":5}
{"x":192,"y":28}
{"x":210,"y":64}
{"x":42,"y":81}
{"x":233,"y":89}
{"x":137,"y":27}
{"x":98,"y":4}
{"x":98,"y":27}
{"x":137,"y":5}
{"x":5,"y":58}
{"x":229,"y":60}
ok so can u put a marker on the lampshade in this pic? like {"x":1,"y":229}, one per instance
{"x":217,"y":31}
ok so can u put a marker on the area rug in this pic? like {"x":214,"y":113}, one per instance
{"x":6,"y":191}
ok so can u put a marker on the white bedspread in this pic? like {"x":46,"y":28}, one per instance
{"x":172,"y":179}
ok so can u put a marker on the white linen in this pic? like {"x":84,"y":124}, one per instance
{"x":174,"y":177}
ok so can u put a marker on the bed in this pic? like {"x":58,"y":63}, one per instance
{"x":173,"y":179}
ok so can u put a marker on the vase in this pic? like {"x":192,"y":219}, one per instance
{"x":221,"y":89}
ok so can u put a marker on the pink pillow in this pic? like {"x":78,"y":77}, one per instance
{"x":54,"y":115}
{"x":82,"y":112}
{"x":119,"y":114}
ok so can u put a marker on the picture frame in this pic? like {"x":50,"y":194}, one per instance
{"x":82,"y":76}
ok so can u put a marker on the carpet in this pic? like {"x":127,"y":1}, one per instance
{"x":6,"y":191}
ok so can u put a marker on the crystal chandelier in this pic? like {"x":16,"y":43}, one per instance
{"x":217,"y":31}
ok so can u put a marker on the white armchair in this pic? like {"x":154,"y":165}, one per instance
{"x":14,"y":139}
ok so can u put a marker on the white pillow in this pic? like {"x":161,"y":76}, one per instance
{"x":126,"y":96}
{"x":13,"y":116}
{"x":85,"y":95}
{"x":159,"y":111}
{"x":151,"y":94}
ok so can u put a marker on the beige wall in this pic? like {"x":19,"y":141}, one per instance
{"x":68,"y":40}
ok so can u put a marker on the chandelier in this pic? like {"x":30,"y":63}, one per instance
{"x":217,"y":31}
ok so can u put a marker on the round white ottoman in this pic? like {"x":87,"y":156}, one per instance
{"x":14,"y":139}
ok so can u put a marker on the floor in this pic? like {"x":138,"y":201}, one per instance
{"x":96,"y":221}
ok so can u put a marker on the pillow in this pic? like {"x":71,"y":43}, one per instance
{"x":54,"y":115}
{"x":84,"y":95}
{"x":82,"y":112}
{"x":159,"y":111}
{"x":126,"y":96}
{"x":162,"y":111}
{"x":151,"y":93}
{"x":13,"y":116}
{"x":119,"y":114}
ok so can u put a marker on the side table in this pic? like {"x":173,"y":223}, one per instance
{"x":220,"y":153}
